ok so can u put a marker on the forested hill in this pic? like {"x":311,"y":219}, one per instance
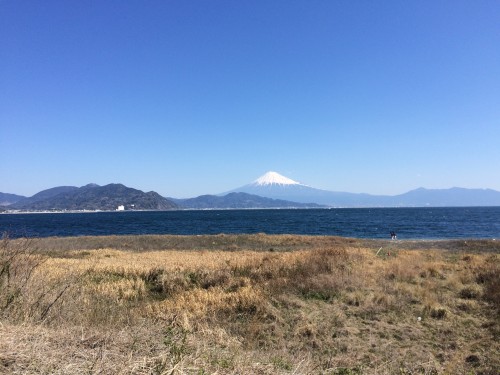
{"x":94,"y":197}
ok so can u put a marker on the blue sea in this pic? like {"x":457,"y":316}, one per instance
{"x":408,"y":223}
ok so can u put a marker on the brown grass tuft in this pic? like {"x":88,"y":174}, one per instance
{"x":228,"y":304}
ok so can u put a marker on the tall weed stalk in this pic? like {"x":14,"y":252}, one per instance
{"x":23,"y":295}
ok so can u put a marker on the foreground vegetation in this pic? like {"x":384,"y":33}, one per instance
{"x":253,"y":304}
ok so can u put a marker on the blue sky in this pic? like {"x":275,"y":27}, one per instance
{"x":194,"y":97}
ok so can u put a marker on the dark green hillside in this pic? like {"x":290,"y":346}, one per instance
{"x":94,"y":197}
{"x":8,"y":199}
{"x":240,"y":200}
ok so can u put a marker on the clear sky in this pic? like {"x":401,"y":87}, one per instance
{"x":200,"y":97}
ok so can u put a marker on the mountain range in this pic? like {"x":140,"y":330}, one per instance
{"x":271,"y":190}
{"x":93,"y":197}
{"x":109,"y":197}
{"x":273,"y":185}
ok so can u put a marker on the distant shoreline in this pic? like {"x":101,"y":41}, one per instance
{"x":15,"y":212}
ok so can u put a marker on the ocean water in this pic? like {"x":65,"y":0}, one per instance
{"x":408,"y":223}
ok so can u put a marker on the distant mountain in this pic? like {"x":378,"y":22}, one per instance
{"x":238,"y":200}
{"x":276,"y":186}
{"x":46,"y":194}
{"x":273,"y":185}
{"x":271,"y":190}
{"x":7,"y":199}
{"x":447,"y":197}
{"x":94,"y":197}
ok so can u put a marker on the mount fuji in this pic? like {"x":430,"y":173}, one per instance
{"x":273,"y":185}
{"x":276,"y":186}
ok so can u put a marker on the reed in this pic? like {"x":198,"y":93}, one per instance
{"x":248,"y":304}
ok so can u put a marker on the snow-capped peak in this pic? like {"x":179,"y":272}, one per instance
{"x":273,"y":178}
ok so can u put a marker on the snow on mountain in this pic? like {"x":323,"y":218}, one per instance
{"x":274,"y":178}
{"x":275,"y":186}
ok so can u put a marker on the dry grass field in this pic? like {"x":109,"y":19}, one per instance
{"x":248,"y":304}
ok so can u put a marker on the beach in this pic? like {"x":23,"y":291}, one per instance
{"x":249,"y":304}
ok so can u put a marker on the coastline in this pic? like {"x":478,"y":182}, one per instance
{"x":142,"y":242}
{"x":255,"y":303}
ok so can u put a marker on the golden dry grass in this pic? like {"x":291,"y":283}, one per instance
{"x":251,"y":304}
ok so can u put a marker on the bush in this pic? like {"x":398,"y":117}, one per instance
{"x":469,"y":293}
{"x":491,"y":280}
{"x":21,"y":298}
{"x":17,"y":265}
